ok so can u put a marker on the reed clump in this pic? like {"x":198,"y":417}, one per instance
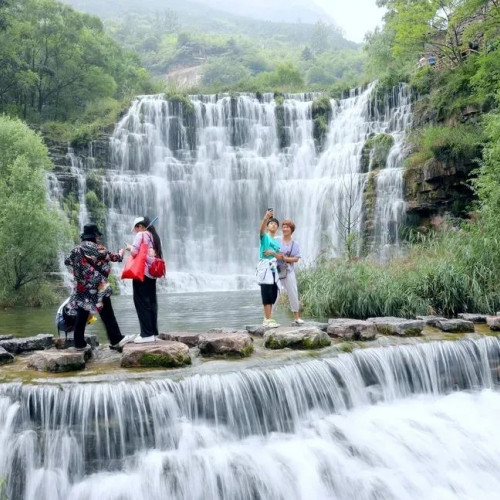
{"x":448,"y":273}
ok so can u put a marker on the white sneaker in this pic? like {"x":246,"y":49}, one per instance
{"x":270,"y":323}
{"x":126,"y":340}
{"x":145,"y":340}
{"x":299,"y":321}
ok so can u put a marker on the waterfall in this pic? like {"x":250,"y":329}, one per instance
{"x":416,"y":421}
{"x":390,"y":206}
{"x":208,"y":166}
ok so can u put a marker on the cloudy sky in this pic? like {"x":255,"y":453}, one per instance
{"x":356,"y":17}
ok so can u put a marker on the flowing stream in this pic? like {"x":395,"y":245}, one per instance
{"x":418,"y":421}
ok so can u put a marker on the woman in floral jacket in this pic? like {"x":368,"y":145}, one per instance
{"x":90,"y":263}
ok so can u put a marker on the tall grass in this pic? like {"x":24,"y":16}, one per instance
{"x":457,"y":271}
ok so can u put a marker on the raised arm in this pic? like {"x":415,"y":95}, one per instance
{"x":265,"y":220}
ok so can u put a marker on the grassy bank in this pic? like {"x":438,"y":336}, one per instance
{"x":453,"y":272}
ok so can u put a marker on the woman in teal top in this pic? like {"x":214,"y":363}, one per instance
{"x":269,"y":249}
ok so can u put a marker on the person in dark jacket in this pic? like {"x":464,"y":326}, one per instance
{"x":90,"y":264}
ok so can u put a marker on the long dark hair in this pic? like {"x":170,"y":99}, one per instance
{"x":156,"y":238}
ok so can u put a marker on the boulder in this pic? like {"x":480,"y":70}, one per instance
{"x":65,"y":343}
{"x":431,"y":320}
{"x":237,"y":344}
{"x":159,"y":354}
{"x":493,"y":322}
{"x":455,"y":326}
{"x":188,"y":338}
{"x":38,"y":343}
{"x":298,"y":338}
{"x":398,"y":326}
{"x":57,"y":360}
{"x":351,"y":329}
{"x":5,"y":357}
{"x":475,"y":318}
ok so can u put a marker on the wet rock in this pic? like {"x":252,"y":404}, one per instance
{"x":189,"y":338}
{"x":57,"y":360}
{"x":398,"y":326}
{"x":38,"y":343}
{"x":299,"y":338}
{"x":257,"y":329}
{"x":475,"y":318}
{"x":455,"y":326}
{"x":66,"y":343}
{"x":237,"y":344}
{"x":493,"y":322}
{"x":159,"y":354}
{"x":351,"y":329}
{"x":317,"y":324}
{"x":5,"y":357}
{"x":431,"y":320}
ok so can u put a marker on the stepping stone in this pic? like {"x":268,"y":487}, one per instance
{"x":189,"y":338}
{"x":57,"y":360}
{"x":5,"y":357}
{"x":236,"y":344}
{"x":159,"y":354}
{"x":431,"y":320}
{"x":401,"y":327}
{"x":351,"y":329}
{"x":65,"y":343}
{"x":475,"y":318}
{"x":455,"y":326}
{"x":19,"y":345}
{"x":300,"y":338}
{"x":493,"y":322}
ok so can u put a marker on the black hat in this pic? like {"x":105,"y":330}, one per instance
{"x":90,"y":231}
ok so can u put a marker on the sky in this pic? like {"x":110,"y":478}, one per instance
{"x":355,"y":17}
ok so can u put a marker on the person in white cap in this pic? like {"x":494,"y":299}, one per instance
{"x":145,"y":300}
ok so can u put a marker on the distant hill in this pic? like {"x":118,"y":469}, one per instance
{"x":243,"y":20}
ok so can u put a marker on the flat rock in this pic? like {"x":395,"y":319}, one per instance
{"x":65,"y":343}
{"x":189,"y":338}
{"x":159,"y":354}
{"x":57,"y":360}
{"x":237,"y":344}
{"x":475,"y":318}
{"x":19,"y":345}
{"x":5,"y":357}
{"x":257,"y":329}
{"x":455,"y":326}
{"x":493,"y":322}
{"x":351,"y":329}
{"x":298,"y":338}
{"x":431,"y":320}
{"x":398,"y":326}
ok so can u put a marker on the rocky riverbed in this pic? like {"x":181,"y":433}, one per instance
{"x":44,"y":357}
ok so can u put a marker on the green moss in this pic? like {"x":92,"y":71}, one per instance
{"x":162,"y":361}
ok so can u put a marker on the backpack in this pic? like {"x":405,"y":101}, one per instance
{"x":65,"y":317}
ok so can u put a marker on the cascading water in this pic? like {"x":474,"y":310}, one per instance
{"x":401,"y":422}
{"x":395,"y":120}
{"x":209,"y":168}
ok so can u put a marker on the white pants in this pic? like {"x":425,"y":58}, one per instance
{"x":289,"y":284}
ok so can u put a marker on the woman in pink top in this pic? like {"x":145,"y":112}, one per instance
{"x":145,"y":300}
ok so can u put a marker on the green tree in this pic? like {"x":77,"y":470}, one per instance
{"x":30,"y":230}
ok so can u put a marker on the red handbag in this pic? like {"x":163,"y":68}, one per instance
{"x":157,"y":268}
{"x":136,"y":265}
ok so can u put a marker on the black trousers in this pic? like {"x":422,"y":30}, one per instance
{"x":146,"y":305}
{"x":108,"y":318}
